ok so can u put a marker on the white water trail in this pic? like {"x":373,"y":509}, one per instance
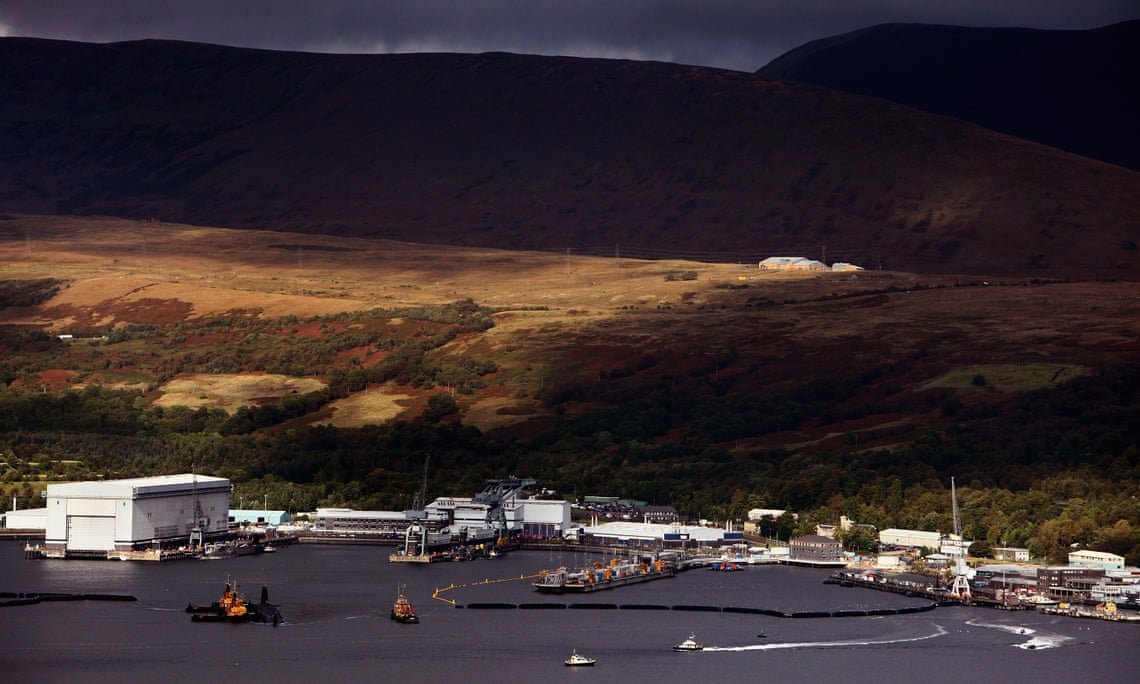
{"x":1002,"y":627}
{"x":1036,"y":642}
{"x":1042,"y":642}
{"x":939,"y":631}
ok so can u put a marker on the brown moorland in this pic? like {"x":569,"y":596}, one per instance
{"x":578,"y":321}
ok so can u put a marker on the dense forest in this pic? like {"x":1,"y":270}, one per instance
{"x":1049,"y":469}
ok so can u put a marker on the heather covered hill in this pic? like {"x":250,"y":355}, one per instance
{"x":547,"y":153}
{"x":1073,"y":90}
{"x":326,"y":370}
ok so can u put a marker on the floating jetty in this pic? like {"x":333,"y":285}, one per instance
{"x":230,"y":548}
{"x":618,"y":572}
{"x":906,"y":588}
{"x":1102,"y":611}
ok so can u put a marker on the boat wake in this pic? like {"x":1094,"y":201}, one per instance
{"x":1036,"y":642}
{"x":939,"y":631}
{"x":1042,"y":642}
{"x":1001,"y":627}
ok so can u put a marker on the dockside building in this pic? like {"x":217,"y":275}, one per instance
{"x":99,"y":519}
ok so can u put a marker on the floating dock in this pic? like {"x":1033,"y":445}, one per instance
{"x":412,"y":558}
{"x":617,"y":573}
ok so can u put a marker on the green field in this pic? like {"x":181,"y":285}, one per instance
{"x":1007,"y":378}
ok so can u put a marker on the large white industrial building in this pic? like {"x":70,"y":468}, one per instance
{"x":1095,"y":559}
{"x":99,"y":518}
{"x":910,"y":538}
{"x":656,"y":534}
{"x":501,"y":508}
{"x":458,"y":518}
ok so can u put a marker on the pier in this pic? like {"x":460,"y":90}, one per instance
{"x":940,"y":595}
{"x":895,"y":586}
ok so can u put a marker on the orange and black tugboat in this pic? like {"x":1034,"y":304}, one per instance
{"x":402,"y":610}
{"x":232,"y":607}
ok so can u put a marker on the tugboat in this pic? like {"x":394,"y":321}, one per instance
{"x":402,"y":610}
{"x":689,"y":644}
{"x":233,"y":607}
{"x":578,"y":660}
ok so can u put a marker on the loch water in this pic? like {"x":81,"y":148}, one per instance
{"x":336,"y":600}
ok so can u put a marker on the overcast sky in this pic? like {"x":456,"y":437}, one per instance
{"x":733,"y":34}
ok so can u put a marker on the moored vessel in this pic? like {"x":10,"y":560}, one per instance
{"x":725,"y":566}
{"x":230,"y":549}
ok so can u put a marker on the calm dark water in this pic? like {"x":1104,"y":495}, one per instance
{"x":335,"y":600}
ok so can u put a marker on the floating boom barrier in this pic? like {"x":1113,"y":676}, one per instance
{"x":437,"y":594}
{"x":699,"y":608}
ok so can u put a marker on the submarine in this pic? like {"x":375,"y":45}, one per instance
{"x":233,"y":607}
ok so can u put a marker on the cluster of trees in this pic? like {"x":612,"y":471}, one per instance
{"x":1046,"y":469}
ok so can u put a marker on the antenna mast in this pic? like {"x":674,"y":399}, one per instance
{"x":954,"y":508}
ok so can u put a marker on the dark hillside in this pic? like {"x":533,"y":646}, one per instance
{"x":514,"y":151}
{"x":1073,"y":90}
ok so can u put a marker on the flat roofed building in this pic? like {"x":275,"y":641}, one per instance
{"x":540,"y":518}
{"x":1066,"y":581}
{"x":383,"y":524}
{"x":96,"y":518}
{"x":654,"y":534}
{"x":258,"y":516}
{"x":26,"y":519}
{"x":1011,"y":554}
{"x":910,"y":538}
{"x":816,"y":548}
{"x":455,"y":514}
{"x":662,"y":515}
{"x":1096,"y":559}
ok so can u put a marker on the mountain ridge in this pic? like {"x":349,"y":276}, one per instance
{"x":1065,"y":89}
{"x":524,"y":152}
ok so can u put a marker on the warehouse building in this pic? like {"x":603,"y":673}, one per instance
{"x":816,"y":549}
{"x":32,"y":519}
{"x":1096,"y":559}
{"x":655,"y":535}
{"x":100,"y":519}
{"x":896,"y":538}
{"x":463,"y":518}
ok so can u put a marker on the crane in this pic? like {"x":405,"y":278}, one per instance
{"x":960,"y":589}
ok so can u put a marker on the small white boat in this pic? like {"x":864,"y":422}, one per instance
{"x":689,"y":644}
{"x":269,"y":548}
{"x":578,"y":660}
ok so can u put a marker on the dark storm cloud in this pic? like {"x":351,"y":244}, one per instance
{"x":735,"y":34}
